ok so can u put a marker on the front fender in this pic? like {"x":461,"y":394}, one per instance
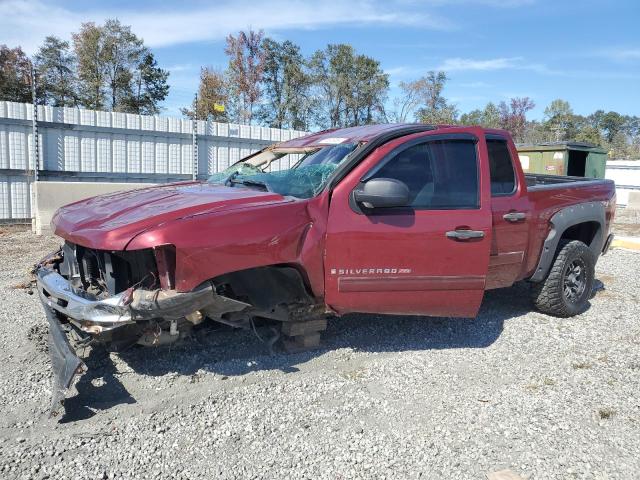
{"x":214,"y":244}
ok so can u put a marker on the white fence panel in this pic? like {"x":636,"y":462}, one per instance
{"x":14,"y":197}
{"x":86,"y":145}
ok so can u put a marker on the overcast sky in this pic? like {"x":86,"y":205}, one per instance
{"x":584,"y":51}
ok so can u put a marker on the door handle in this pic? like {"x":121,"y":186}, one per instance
{"x":464,"y":234}
{"x":514,"y":216}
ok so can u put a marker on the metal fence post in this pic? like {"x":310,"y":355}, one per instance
{"x":195,"y":149}
{"x":194,"y":139}
{"x":35,"y":152}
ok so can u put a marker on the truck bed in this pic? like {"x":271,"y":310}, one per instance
{"x":537,"y":181}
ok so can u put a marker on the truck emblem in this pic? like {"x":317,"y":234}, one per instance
{"x":370,"y":271}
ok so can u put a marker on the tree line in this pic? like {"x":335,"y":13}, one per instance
{"x":619,"y":134}
{"x":104,"y":67}
{"x":422,"y":100}
{"x":271,"y":83}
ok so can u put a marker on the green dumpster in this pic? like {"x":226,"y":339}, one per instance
{"x":575,"y":159}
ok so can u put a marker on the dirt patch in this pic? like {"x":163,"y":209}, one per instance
{"x":37,"y":334}
{"x":6,"y":229}
{"x":606,"y":279}
{"x":23,"y":285}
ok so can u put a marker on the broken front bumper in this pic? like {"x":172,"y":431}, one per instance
{"x":92,"y":315}
{"x":96,"y":316}
{"x":67,"y":308}
{"x":66,"y":366}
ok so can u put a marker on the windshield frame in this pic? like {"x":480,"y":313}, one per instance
{"x":262,"y":159}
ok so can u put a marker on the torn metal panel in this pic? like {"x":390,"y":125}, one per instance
{"x":67,"y":368}
{"x":169,"y":304}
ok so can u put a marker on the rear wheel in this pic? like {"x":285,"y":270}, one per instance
{"x":566,"y":290}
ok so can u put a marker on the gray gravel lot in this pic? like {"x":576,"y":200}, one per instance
{"x":395,"y":397}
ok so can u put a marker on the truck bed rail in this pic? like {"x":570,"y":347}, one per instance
{"x":536,"y":181}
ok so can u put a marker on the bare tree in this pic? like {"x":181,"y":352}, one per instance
{"x":404,"y":105}
{"x":513,"y":116}
{"x":246,"y":66}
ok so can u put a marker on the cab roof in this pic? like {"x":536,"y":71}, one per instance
{"x":334,"y":136}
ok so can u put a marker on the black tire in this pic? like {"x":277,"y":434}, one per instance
{"x":567,"y":289}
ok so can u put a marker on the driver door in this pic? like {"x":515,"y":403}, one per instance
{"x":414,"y":259}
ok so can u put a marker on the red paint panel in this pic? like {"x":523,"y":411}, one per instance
{"x":509,"y":258}
{"x":459,"y":303}
{"x":409,"y":284}
{"x":215,"y":229}
{"x":414,"y":241}
{"x":166,"y":263}
{"x":109,"y":222}
{"x":545,"y":203}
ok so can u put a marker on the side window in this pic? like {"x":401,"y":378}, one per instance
{"x":503,"y":176}
{"x":440,"y":174}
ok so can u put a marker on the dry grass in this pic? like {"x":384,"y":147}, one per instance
{"x":606,"y":413}
{"x":584,"y":365}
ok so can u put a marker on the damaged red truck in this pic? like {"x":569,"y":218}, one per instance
{"x":390,"y":219}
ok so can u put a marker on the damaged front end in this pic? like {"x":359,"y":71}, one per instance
{"x":118,"y":299}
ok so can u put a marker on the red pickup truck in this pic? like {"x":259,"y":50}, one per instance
{"x":393,"y":219}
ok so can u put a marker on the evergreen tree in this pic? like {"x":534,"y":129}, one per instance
{"x":116,"y":71}
{"x":56,"y":74}
{"x":286,"y":86}
{"x":149,"y":87}
{"x":350,"y":89}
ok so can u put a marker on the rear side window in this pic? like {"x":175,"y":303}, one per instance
{"x":503,"y":176}
{"x":441,"y":174}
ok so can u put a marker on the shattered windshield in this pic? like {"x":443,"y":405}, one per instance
{"x":305,"y":178}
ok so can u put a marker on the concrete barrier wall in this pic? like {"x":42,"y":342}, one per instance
{"x":634,"y":200}
{"x":626,"y":174}
{"x":53,"y":195}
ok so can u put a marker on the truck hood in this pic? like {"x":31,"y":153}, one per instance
{"x":110,"y":222}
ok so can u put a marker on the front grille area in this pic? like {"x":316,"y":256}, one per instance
{"x":103,"y":273}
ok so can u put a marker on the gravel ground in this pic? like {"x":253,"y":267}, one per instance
{"x":393,"y":397}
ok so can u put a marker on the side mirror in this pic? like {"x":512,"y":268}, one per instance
{"x":382,"y":193}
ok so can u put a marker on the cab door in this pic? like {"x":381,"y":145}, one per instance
{"x":511,"y":213}
{"x":428,"y":257}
